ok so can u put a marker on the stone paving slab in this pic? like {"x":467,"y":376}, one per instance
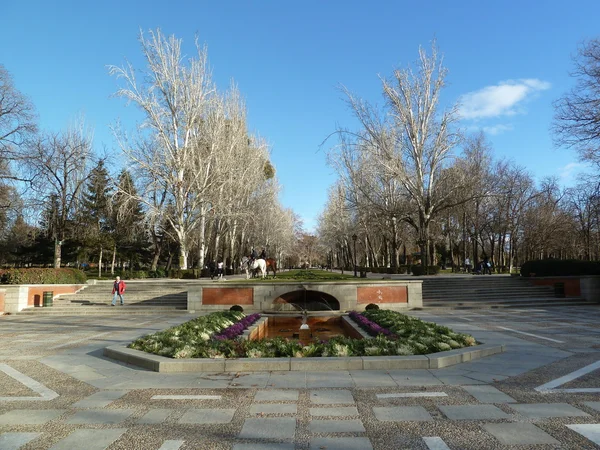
{"x":276,"y":395}
{"x":336,"y":426}
{"x":155,"y":416}
{"x":488,"y":394}
{"x":89,"y":439}
{"x":30,"y":416}
{"x":334,"y":412}
{"x":590,"y":431}
{"x":519,"y":434}
{"x":473,"y":412}
{"x":99,"y":399}
{"x":264,"y":446}
{"x":207,"y":416}
{"x":336,"y":397}
{"x":14,"y":441}
{"x":401,"y":414}
{"x":275,"y":428}
{"x":270,"y":408}
{"x":349,"y":443}
{"x":593,"y":405}
{"x":171,"y":444}
{"x":546,"y":410}
{"x":100,"y":416}
{"x":435,"y":443}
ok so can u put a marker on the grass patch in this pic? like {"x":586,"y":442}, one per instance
{"x":303,"y":275}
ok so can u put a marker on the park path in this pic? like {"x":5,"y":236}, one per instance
{"x":58,"y":391}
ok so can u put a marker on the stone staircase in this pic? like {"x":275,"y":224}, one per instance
{"x":495,"y":291}
{"x":141,"y":297}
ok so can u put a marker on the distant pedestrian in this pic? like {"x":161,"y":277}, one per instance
{"x":487,"y":266}
{"x":212,"y":269}
{"x":220,"y":269}
{"x":118,"y":290}
{"x":468,"y":265}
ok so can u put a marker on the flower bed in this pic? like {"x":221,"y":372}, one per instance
{"x":214,"y":336}
{"x":423,"y":337}
{"x":185,"y":340}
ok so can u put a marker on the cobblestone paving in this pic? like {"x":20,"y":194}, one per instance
{"x":57,"y":391}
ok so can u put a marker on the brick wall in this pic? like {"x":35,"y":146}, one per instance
{"x":382,"y":294}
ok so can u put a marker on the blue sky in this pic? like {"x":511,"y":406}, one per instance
{"x":508,"y":61}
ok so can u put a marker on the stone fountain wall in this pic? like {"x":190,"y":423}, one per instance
{"x":266,"y":296}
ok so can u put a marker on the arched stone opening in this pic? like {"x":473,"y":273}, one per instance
{"x":306,"y":300}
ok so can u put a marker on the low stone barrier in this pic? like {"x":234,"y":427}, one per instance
{"x":169,"y":365}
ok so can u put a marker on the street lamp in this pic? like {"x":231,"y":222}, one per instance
{"x":354,"y":237}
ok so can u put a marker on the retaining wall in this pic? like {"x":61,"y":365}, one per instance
{"x":397,"y":295}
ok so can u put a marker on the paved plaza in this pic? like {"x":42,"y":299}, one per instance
{"x":58,"y":391}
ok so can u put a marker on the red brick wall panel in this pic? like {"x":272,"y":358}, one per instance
{"x":228,"y":296}
{"x":572,"y":285}
{"x":35,"y":294}
{"x":381,"y":294}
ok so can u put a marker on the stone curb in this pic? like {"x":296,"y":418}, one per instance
{"x":169,"y":365}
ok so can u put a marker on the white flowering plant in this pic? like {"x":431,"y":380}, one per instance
{"x":420,"y":336}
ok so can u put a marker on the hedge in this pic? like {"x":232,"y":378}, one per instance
{"x":559,"y":267}
{"x":42,"y":276}
{"x":417,"y":270}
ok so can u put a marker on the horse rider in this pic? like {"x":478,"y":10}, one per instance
{"x":253,"y":255}
{"x":263,"y":254}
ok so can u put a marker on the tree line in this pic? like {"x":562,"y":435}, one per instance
{"x":195,"y":183}
{"x":413,"y":188}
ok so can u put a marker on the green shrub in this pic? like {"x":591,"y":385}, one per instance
{"x":559,"y":267}
{"x":158,"y":273}
{"x":371,"y":306}
{"x":42,"y":276}
{"x":185,"y":274}
{"x":417,"y":270}
{"x":236,"y":308}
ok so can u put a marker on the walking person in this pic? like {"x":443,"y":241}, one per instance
{"x":220,"y":269}
{"x":118,"y":289}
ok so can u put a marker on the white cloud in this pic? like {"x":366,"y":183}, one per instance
{"x":497,"y":129}
{"x":502,"y":99}
{"x":567,"y":173}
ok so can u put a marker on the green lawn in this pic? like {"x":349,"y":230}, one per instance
{"x":307,"y":275}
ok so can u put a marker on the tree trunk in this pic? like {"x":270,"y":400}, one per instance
{"x":114,"y":257}
{"x":183,"y":256}
{"x":100,"y":263}
{"x":57,"y":253}
{"x":202,"y":238}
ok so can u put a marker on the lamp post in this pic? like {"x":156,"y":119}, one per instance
{"x":354,"y":237}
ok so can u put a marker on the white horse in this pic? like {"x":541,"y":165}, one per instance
{"x":258,"y":264}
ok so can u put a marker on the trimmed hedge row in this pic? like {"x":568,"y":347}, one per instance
{"x":559,"y":267}
{"x":42,"y":276}
{"x":417,"y":269}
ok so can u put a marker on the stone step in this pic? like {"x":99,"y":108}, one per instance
{"x":127,"y":309}
{"x":541,"y":302}
{"x":478,"y":295}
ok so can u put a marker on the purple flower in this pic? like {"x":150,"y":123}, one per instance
{"x":237,"y":328}
{"x":369,"y":326}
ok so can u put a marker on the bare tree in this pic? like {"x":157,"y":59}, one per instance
{"x":414,"y":142}
{"x":57,"y":164}
{"x":577,"y":116}
{"x":172,"y":154}
{"x":17,"y":117}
